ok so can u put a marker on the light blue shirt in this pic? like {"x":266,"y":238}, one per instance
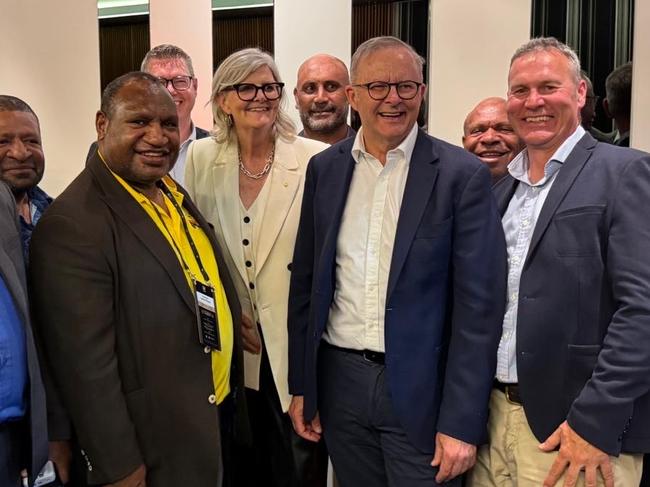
{"x":518,"y":225}
{"x":13,"y":358}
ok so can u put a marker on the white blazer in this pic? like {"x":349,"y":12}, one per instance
{"x":212,"y":180}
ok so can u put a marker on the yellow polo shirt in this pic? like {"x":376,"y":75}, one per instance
{"x":173,"y":228}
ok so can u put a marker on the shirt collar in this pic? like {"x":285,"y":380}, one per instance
{"x":191,"y":138}
{"x":137,"y":195}
{"x":518,"y":167}
{"x":405,"y":148}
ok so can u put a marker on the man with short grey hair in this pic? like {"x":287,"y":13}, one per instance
{"x":173,"y":67}
{"x":397,"y":290}
{"x":571,"y":398}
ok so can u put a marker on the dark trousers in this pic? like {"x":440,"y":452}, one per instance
{"x":278,"y":456}
{"x":13,"y":452}
{"x":366,"y":442}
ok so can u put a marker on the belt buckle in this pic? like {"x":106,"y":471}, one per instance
{"x":511,"y":401}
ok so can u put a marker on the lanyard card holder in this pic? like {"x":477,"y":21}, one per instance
{"x":206,"y":315}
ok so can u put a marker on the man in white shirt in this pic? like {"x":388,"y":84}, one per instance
{"x":173,"y":67}
{"x":398,"y":285}
{"x":571,"y":402}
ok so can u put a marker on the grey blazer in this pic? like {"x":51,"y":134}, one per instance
{"x":12,"y":269}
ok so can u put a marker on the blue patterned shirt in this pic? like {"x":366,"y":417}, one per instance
{"x":38,"y":203}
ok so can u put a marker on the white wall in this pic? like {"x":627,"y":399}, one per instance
{"x":640,"y":130}
{"x":187,"y":24}
{"x":50,"y":58}
{"x":471,"y":42}
{"x":306,"y":27}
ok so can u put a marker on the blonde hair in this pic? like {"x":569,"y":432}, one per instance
{"x":235,"y":69}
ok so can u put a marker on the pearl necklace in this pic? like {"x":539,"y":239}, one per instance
{"x":263,"y":172}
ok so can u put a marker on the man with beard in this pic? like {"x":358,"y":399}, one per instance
{"x":489,"y":134}
{"x":320,"y":99}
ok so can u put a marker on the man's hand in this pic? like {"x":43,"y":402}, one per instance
{"x":452,"y":457}
{"x":250,"y":339}
{"x":576,"y":454}
{"x":60,"y":453}
{"x":135,"y":479}
{"x":308,"y":430}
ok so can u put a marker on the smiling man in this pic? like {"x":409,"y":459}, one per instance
{"x":489,"y":135}
{"x":571,"y":400}
{"x":397,"y":286}
{"x":173,"y":67}
{"x":134,"y":304}
{"x":22,"y":162}
{"x":320,"y":99}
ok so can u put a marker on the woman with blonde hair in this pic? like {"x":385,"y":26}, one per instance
{"x":247,"y":180}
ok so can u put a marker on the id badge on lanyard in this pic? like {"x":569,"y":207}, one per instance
{"x":206,"y":315}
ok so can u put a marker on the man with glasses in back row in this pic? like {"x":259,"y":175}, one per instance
{"x":173,"y":68}
{"x":398,"y":287}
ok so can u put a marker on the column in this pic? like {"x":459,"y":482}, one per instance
{"x":188,"y":25}
{"x":50,"y":59}
{"x":471,"y":42}
{"x":640,"y":130}
{"x":304,"y":28}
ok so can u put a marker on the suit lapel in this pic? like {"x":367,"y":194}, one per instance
{"x":563,"y":182}
{"x":419,"y":184}
{"x":337,"y":181}
{"x":225,"y":181}
{"x":285,"y":180}
{"x":133,"y":215}
{"x":503,"y":192}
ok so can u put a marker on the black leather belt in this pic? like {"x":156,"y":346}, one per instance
{"x":369,"y":355}
{"x":510,"y":390}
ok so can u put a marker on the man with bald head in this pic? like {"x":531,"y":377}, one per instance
{"x":136,"y":311}
{"x":320,"y":99}
{"x":487,"y":133}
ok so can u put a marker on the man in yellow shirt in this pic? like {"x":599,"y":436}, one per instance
{"x":134,"y":306}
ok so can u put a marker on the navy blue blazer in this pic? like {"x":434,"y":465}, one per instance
{"x":583,"y":325}
{"x":446,"y":288}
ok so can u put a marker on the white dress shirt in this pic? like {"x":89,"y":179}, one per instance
{"x":364,"y":247}
{"x":178,"y":171}
{"x":518,"y":225}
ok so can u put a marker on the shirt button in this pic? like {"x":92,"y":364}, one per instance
{"x":289,"y":266}
{"x":251,"y":285}
{"x":207,"y":350}
{"x":212,"y":398}
{"x":246,"y":219}
{"x":248,"y":263}
{"x":245,"y":241}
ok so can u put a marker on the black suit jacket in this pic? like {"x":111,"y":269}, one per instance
{"x":117,"y":321}
{"x":12,"y":269}
{"x":445,"y":296}
{"x":583,"y":325}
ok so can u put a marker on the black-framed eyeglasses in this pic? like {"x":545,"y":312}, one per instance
{"x":180,"y":83}
{"x":379,"y":90}
{"x":248,"y":91}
